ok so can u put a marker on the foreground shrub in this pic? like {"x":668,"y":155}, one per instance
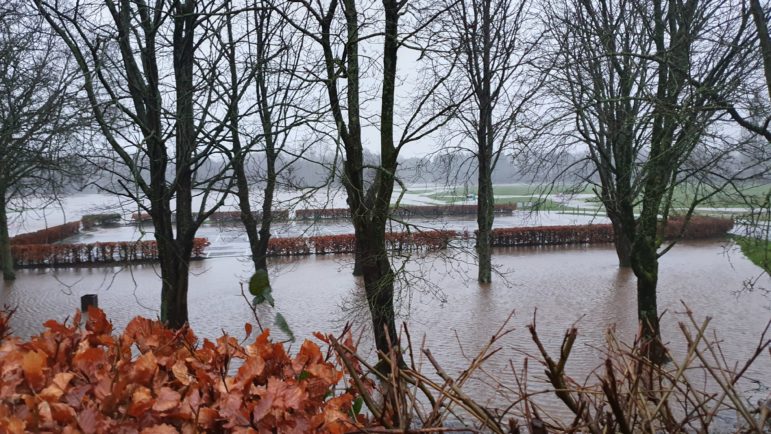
{"x":698,"y":391}
{"x":151,"y":379}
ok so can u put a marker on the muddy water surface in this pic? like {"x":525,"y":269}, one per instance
{"x":453,"y":313}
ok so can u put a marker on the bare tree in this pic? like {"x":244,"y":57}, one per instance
{"x":267,"y":104}
{"x":760,"y":17}
{"x":496,"y":41}
{"x":40,"y":113}
{"x":338,"y":31}
{"x":643,"y":82}
{"x":748,"y":118}
{"x":153,"y":105}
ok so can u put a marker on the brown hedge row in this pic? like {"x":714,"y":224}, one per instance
{"x":219,"y":216}
{"x":698,"y":228}
{"x":346,"y":243}
{"x":550,"y":235}
{"x":403,"y":211}
{"x":35,"y":255}
{"x":47,"y":236}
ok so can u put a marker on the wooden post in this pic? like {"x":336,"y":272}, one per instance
{"x":88,"y":300}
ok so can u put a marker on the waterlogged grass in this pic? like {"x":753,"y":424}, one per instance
{"x":757,"y":251}
{"x":535,"y":197}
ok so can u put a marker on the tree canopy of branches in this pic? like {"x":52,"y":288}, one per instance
{"x":496,"y":42}
{"x":338,"y":30}
{"x":151,"y":97}
{"x":40,"y":116}
{"x":267,"y":104}
{"x":643,"y":81}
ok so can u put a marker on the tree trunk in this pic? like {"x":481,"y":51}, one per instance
{"x":765,"y":40}
{"x":622,"y":242}
{"x":357,"y":259}
{"x":379,"y":289}
{"x":174,"y":275}
{"x":646,"y":266}
{"x":485,"y":137}
{"x":485,"y":205}
{"x":260,"y":257}
{"x":6,"y":260}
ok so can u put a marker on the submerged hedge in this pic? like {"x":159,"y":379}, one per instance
{"x":36,"y":255}
{"x":49,"y":235}
{"x":126,"y":252}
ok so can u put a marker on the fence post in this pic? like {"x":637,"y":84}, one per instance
{"x":88,"y":300}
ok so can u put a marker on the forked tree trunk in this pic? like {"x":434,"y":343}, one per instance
{"x":6,"y":259}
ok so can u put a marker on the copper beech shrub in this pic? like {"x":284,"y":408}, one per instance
{"x":150,"y":379}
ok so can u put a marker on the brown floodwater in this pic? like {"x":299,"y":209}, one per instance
{"x":443,"y":305}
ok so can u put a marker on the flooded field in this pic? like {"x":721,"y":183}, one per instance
{"x":443,"y":305}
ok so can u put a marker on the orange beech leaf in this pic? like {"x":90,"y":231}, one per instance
{"x":230,"y":408}
{"x":252,"y":367}
{"x":144,"y":368}
{"x":89,"y":359}
{"x":62,"y":379}
{"x":160,"y":429}
{"x":141,"y":401}
{"x":321,"y":337}
{"x":44,"y":413}
{"x":181,"y":373}
{"x":14,"y":425}
{"x":207,"y":417}
{"x":32,"y":364}
{"x":168,"y":399}
{"x":310,"y":353}
{"x":56,"y":327}
{"x":51,"y":393}
{"x":97,"y":321}
{"x":62,"y":413}
{"x":87,"y":420}
{"x":284,"y":395}
{"x":326,"y":373}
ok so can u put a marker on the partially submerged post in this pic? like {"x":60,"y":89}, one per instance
{"x":88,"y":300}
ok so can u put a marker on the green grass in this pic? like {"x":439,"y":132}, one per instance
{"x":523,"y":193}
{"x":757,"y":251}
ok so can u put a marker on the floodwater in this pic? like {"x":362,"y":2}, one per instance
{"x":443,"y":304}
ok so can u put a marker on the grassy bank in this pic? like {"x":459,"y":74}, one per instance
{"x":757,"y":251}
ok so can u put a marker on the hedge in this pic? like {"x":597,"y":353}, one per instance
{"x":89,"y":221}
{"x":49,"y":235}
{"x":277,"y":215}
{"x":549,"y":235}
{"x":698,"y":228}
{"x":403,"y":211}
{"x":35,"y":255}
